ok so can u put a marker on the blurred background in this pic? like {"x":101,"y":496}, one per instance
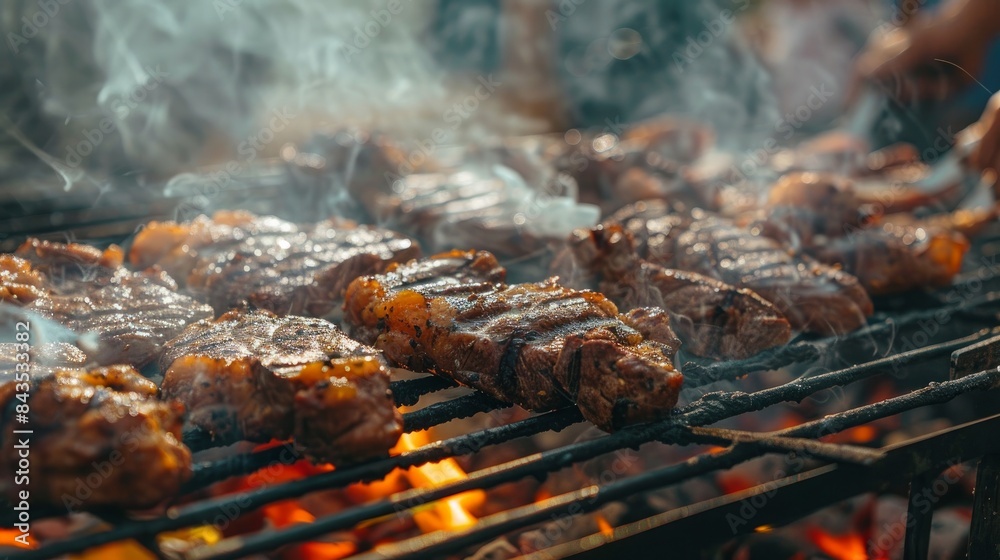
{"x":94,"y":91}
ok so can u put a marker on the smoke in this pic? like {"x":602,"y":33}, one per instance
{"x":159,"y":84}
{"x":633,"y":60}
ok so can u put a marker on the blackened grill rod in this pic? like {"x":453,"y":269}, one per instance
{"x":710,"y":408}
{"x":245,"y":464}
{"x":434,"y":545}
{"x":673,"y":430}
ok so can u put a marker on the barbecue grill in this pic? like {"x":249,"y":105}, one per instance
{"x":965,"y":331}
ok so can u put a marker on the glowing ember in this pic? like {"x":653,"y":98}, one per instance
{"x":606,"y":529}
{"x":450,"y":513}
{"x":8,"y":536}
{"x":841,"y":547}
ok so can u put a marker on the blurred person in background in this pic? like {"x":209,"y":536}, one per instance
{"x":941,"y":63}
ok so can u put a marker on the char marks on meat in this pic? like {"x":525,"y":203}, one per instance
{"x":82,"y":418}
{"x":258,"y":377}
{"x":539,"y":345}
{"x":237,"y":257}
{"x":893,"y":259}
{"x":711,"y":317}
{"x":88,"y":291}
{"x":812,"y":296}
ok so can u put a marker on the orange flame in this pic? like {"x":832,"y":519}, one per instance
{"x":606,"y":529}
{"x":8,"y":539}
{"x":450,"y":513}
{"x":842,"y":547}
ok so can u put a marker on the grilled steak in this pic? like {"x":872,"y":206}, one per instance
{"x":538,"y":345}
{"x":711,"y":317}
{"x":893,"y":259}
{"x":100,"y":437}
{"x":822,"y":216}
{"x":86,"y":290}
{"x":237,"y":257}
{"x":812,"y":296}
{"x":255,"y":376}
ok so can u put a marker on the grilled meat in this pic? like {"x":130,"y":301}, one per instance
{"x":255,"y":376}
{"x":893,"y":259}
{"x":495,"y":211}
{"x":711,"y":317}
{"x":811,"y":295}
{"x":538,"y":345}
{"x":801,"y":206}
{"x":87,"y":291}
{"x":822,"y":216}
{"x":100,"y":437}
{"x":237,"y":257}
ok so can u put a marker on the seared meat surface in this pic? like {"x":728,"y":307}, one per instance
{"x":99,"y":424}
{"x":237,"y":257}
{"x":711,"y":317}
{"x":822,"y":216}
{"x":812,"y":296}
{"x":88,"y":291}
{"x":539,"y":345}
{"x":893,"y":259}
{"x":255,"y":376}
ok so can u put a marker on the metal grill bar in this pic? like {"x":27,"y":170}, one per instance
{"x":674,"y":430}
{"x":592,"y":498}
{"x":710,"y":408}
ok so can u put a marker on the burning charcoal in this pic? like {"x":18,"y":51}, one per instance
{"x":711,"y":317}
{"x":87,"y":291}
{"x":538,"y":345}
{"x":255,"y":376}
{"x":237,"y":257}
{"x":100,"y":436}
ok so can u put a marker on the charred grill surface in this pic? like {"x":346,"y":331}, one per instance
{"x":237,"y":257}
{"x":537,"y":345}
{"x":256,"y":376}
{"x":85,"y":418}
{"x":711,"y":317}
{"x":86,"y":290}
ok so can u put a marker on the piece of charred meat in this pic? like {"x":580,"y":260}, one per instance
{"x":822,"y":216}
{"x":88,"y":291}
{"x":237,"y":257}
{"x":803,"y":206}
{"x":711,"y":317}
{"x":99,"y":435}
{"x":495,"y":211}
{"x":812,"y":296}
{"x":892,"y":259}
{"x":538,"y":345}
{"x":254,"y":376}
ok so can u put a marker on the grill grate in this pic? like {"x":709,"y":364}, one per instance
{"x":851,"y":469}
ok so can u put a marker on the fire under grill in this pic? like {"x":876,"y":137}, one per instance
{"x":965,"y":330}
